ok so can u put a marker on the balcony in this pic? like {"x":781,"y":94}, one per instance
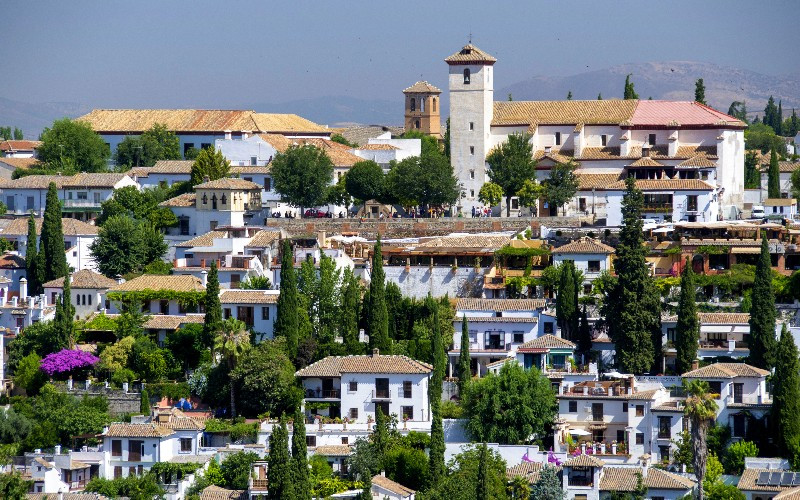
{"x":77,"y":485}
{"x":83,"y":204}
{"x":381,"y":395}
{"x":323,"y":394}
{"x":657,"y":208}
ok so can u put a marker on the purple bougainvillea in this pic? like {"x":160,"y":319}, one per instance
{"x":66,"y":360}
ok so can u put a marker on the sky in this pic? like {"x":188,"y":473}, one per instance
{"x":219,"y":54}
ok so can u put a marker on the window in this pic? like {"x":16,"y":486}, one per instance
{"x":354,"y":413}
{"x":472,"y":193}
{"x":345,"y":440}
{"x":352,"y":386}
{"x":254,"y":160}
{"x":382,"y":389}
{"x":715,"y":388}
{"x":670,"y":335}
{"x":135,"y":450}
{"x":224,"y":199}
{"x":604,"y":140}
{"x":10,"y":202}
{"x":587,"y":288}
{"x":472,"y":150}
{"x":433,"y":102}
{"x":97,"y":198}
{"x":597,"y":412}
{"x":83,"y":195}
{"x":408,"y":412}
{"x":416,"y":124}
{"x":407,"y":389}
{"x":466,"y":76}
{"x":186,"y":445}
{"x":664,"y":452}
{"x":639,"y":438}
{"x":205,"y":145}
{"x":581,"y":497}
{"x":664,"y":427}
{"x":90,"y":299}
{"x":422,"y":105}
{"x":311,"y":440}
{"x":116,"y":447}
{"x":620,"y":436}
{"x":205,"y":199}
{"x":164,"y":306}
{"x":212,"y":225}
{"x":214,"y":201}
{"x":472,"y":125}
{"x":471,"y":174}
{"x":248,"y":179}
{"x":519,"y":337}
{"x":548,"y":327}
{"x":267,"y":183}
{"x":624,"y":407}
{"x":186,"y":147}
{"x":651,"y":139}
{"x":738,"y":425}
{"x":640,"y":410}
{"x":573,"y":407}
{"x":117,"y":472}
{"x":558,"y":138}
{"x":29,"y":204}
{"x":413,"y":104}
{"x":265,"y":313}
{"x":594,"y":266}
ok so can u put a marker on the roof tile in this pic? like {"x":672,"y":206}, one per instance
{"x":335,"y":366}
{"x":585,"y":245}
{"x":174,"y":282}
{"x":83,"y":279}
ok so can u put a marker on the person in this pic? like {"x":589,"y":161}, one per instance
{"x":473,"y":210}
{"x":381,"y":216}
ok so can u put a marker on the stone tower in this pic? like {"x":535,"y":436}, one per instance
{"x":422,"y":109}
{"x":471,"y":86}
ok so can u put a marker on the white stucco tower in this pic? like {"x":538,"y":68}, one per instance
{"x":471,"y":88}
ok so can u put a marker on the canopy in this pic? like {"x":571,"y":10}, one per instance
{"x":579,"y":432}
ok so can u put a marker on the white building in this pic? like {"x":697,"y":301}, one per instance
{"x":780,"y":208}
{"x":18,"y":311}
{"x":13,"y":148}
{"x":602,"y":136}
{"x":385,"y":488}
{"x":785,"y":170}
{"x":667,"y":200}
{"x":12,"y":268}
{"x":78,"y":239}
{"x":590,"y":256}
{"x":383,"y":149}
{"x":721,"y":335}
{"x":87,"y":289}
{"x":256,"y":308}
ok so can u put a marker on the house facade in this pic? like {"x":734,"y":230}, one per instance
{"x":87,"y":291}
{"x":78,"y":239}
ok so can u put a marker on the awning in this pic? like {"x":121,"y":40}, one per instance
{"x":579,"y":432}
{"x":598,"y":427}
{"x":746,"y":250}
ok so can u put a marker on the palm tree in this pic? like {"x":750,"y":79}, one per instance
{"x":231,"y":341}
{"x":701,"y":410}
{"x":519,"y":487}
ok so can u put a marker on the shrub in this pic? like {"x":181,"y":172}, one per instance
{"x":66,"y":361}
{"x":734,"y":457}
{"x":122,"y":375}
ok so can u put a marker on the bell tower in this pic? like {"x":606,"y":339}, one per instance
{"x":422,"y":109}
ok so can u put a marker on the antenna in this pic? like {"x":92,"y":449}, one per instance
{"x":470,"y":37}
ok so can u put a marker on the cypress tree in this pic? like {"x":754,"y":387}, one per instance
{"x":464,"y":370}
{"x":436,"y":468}
{"x":380,"y":436}
{"x":629,"y":92}
{"x":302,"y":483}
{"x":366,"y":492}
{"x":779,"y":119}
{"x":700,"y":91}
{"x":687,"y":331}
{"x":481,"y":486}
{"x":377,"y":315}
{"x":584,"y":335}
{"x":437,"y":447}
{"x":65,"y":315}
{"x":287,"y":322}
{"x":762,"y":312}
{"x":33,"y":269}
{"x":786,"y":395}
{"x":52,"y":238}
{"x":350,"y":312}
{"x":633,"y":307}
{"x":567,"y":301}
{"x":212,"y":305}
{"x":600,"y":97}
{"x":279,"y":469}
{"x":773,"y":176}
{"x":144,"y":402}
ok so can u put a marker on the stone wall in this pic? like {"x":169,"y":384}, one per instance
{"x":119,"y":401}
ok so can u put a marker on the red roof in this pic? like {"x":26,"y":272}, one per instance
{"x":17,"y":145}
{"x":685,"y":113}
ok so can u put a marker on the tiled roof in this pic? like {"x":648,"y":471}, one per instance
{"x":608,"y":111}
{"x":44,"y":463}
{"x":19,"y":145}
{"x":697,"y":161}
{"x":248,"y":297}
{"x":527,"y":470}
{"x":137,"y":430}
{"x":229,"y":183}
{"x":216,"y":493}
{"x":11,"y":261}
{"x":562,"y":156}
{"x":250,"y":169}
{"x":176,"y":420}
{"x":687,"y":114}
{"x":333,"y":450}
{"x":726,"y":370}
{"x":182,"y":167}
{"x":362,"y":134}
{"x":466,"y":241}
{"x":70,"y":227}
{"x":666,"y":184}
{"x":76,"y":495}
{"x":724,"y":318}
{"x":645,"y":161}
{"x":83,"y":279}
{"x":204,"y":240}
{"x":422,"y":87}
{"x":497,"y":319}
{"x":583,"y":460}
{"x":624,"y":479}
{"x":748,"y":481}
{"x":107,"y":180}
{"x":171,"y":321}
{"x":387,"y":484}
{"x":340,"y":155}
{"x":473,"y":304}
{"x":657,"y":153}
{"x":197,"y":120}
{"x":787,"y":166}
{"x":378,"y":147}
{"x":791,"y":494}
{"x":648,"y":394}
{"x":692,"y":151}
{"x":175,"y":282}
{"x":779,"y":202}
{"x":585,"y":245}
{"x":587,"y":181}
{"x":470,"y":54}
{"x":182,"y":200}
{"x":19,"y":162}
{"x":263,"y":238}
{"x":547,"y":341}
{"x":334,"y":366}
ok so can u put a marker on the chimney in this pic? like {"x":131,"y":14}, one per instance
{"x":58,"y":449}
{"x":204,"y":277}
{"x":205,"y":178}
{"x":14,"y":301}
{"x":646,"y":151}
{"x":695,"y":364}
{"x":547,"y":149}
{"x":245,"y":134}
{"x":376,"y":352}
{"x":60,"y":494}
{"x":227,"y":135}
{"x":645,"y":464}
{"x":23,"y":288}
{"x":43,"y":300}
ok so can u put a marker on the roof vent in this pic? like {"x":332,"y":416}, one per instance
{"x":547,"y":149}
{"x":645,"y":151}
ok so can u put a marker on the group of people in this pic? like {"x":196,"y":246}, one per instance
{"x":481,"y":211}
{"x":285,"y":215}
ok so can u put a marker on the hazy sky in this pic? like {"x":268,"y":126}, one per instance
{"x":200,"y":53}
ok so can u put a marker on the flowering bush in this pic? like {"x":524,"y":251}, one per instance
{"x":66,"y":361}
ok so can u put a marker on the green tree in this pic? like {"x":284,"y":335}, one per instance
{"x":426,"y":180}
{"x":209,"y":163}
{"x":302,"y":175}
{"x":567,"y":301}
{"x":380,"y":436}
{"x":481,"y":485}
{"x":29,"y":375}
{"x":231,"y":341}
{"x":511,"y":163}
{"x":446,"y":139}
{"x":464,"y":369}
{"x":632,"y":300}
{"x":786,"y":396}
{"x":302,"y":485}
{"x":340,"y":139}
{"x":700,"y":409}
{"x":752,"y":174}
{"x":188,"y":346}
{"x":738,"y":109}
{"x":264,"y":381}
{"x":144,"y":403}
{"x":687,"y":330}
{"x":773,"y":176}
{"x":600,"y":97}
{"x":237,"y":468}
{"x":700,"y":91}
{"x":71,"y":143}
{"x":52,"y":238}
{"x":763,"y":138}
{"x":722,"y":491}
{"x":762,"y":312}
{"x":364,"y":181}
{"x":548,"y":487}
{"x":519,"y":488}
{"x":569,"y":95}
{"x":436,"y":467}
{"x":377,"y":315}
{"x":561,"y":185}
{"x":629,"y":92}
{"x":256,"y":283}
{"x":350,"y":311}
{"x":156,"y":143}
{"x":140,"y":205}
{"x":124,"y":245}
{"x":18,"y":135}
{"x":63,"y":323}
{"x":147,"y":360}
{"x":13,"y":486}
{"x":490,"y":194}
{"x":462,"y":478}
{"x":33,"y":263}
{"x":509,"y":407}
{"x":213,"y":306}
{"x":286,"y":323}
{"x":771,"y":116}
{"x":530,"y":193}
{"x":735,"y":455}
{"x":584,"y":335}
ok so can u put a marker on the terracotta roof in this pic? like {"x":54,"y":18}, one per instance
{"x":176,"y":282}
{"x":250,"y":169}
{"x":780,"y":202}
{"x":44,"y":463}
{"x":470,"y":54}
{"x":104,"y":180}
{"x":378,"y":147}
{"x":497,"y":319}
{"x":19,"y":145}
{"x":197,"y":120}
{"x":362,"y":134}
{"x":680,"y":114}
{"x":584,"y":460}
{"x":182,"y":167}
{"x":645,"y":161}
{"x":204,"y":240}
{"x":11,"y":261}
{"x":229,"y":183}
{"x":587,"y":181}
{"x":340,"y":155}
{"x":171,"y":321}
{"x":249,"y":297}
{"x":666,"y":184}
{"x":183,"y":200}
{"x":263,"y":238}
{"x":216,"y":493}
{"x":422,"y":87}
{"x":177,"y":420}
{"x":335,"y":366}
{"x":387,"y":484}
{"x":77,"y":495}
{"x":791,"y":494}
{"x":788,"y":166}
{"x":726,"y":370}
{"x":83,"y":279}
{"x":70,"y":227}
{"x":561,"y":156}
{"x":333,"y":450}
{"x":547,"y":341}
{"x":624,"y":479}
{"x":137,"y":430}
{"x":724,"y":318}
{"x":608,"y":111}
{"x":697,"y":161}
{"x":466,"y":241}
{"x":473,"y":304}
{"x":585,"y":245}
{"x":750,"y":476}
{"x":23,"y":163}
{"x":527,"y":470}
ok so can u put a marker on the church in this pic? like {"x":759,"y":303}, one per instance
{"x":687,"y":158}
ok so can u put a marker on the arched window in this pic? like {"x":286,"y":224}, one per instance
{"x":416,"y":124}
{"x":422,"y":105}
{"x":433,"y":109}
{"x":205,"y":199}
{"x":466,"y":76}
{"x":224,"y":199}
{"x":214,"y":201}
{"x":413,"y":104}
{"x":90,"y":300}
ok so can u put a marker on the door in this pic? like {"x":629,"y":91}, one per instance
{"x":327,"y":387}
{"x":738,"y":390}
{"x":597,"y":412}
{"x":382,"y":388}
{"x":135,"y":451}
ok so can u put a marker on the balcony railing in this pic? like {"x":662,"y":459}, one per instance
{"x":381,"y":394}
{"x":259,"y":484}
{"x":77,"y":485}
{"x":657,"y":208}
{"x":80,"y":204}
{"x":664,"y":434}
{"x":326,"y":394}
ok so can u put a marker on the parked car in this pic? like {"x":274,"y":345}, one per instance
{"x":758,"y":212}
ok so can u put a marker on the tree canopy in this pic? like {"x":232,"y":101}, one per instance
{"x":73,"y":145}
{"x":209,"y":163}
{"x":511,"y":163}
{"x":629,"y":92}
{"x":561,"y":185}
{"x":762,"y":312}
{"x":687,"y":330}
{"x":426,"y":180}
{"x":364,"y":181}
{"x":156,"y":143}
{"x":124,"y":245}
{"x":302,"y":175}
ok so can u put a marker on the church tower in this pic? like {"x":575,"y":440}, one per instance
{"x":422,"y":109}
{"x":471,"y":86}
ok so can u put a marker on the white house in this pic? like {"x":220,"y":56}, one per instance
{"x":161,"y":303}
{"x":256,"y":308}
{"x":10,"y":165}
{"x":12,"y":268}
{"x":667,"y":200}
{"x":355,"y":386}
{"x":64,"y":473}
{"x":18,"y":311}
{"x":87,"y":291}
{"x":601,"y":136}
{"x":590,"y":256}
{"x":721,"y":334}
{"x":780,"y":208}
{"x":785,"y":171}
{"x":383,"y":149}
{"x":78,"y":239}
{"x":14,"y":148}
{"x":385,"y":488}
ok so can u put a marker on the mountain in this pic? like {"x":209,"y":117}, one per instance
{"x":338,"y":111}
{"x":666,"y":80}
{"x":33,"y":118}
